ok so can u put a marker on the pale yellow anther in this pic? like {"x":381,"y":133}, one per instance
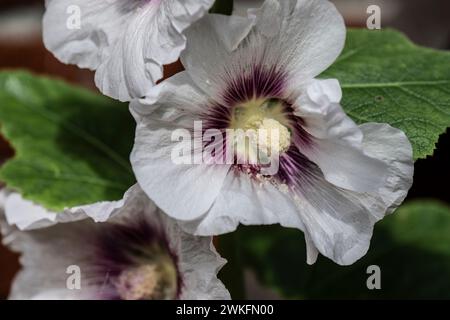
{"x":277,"y":136}
{"x":267,"y":120}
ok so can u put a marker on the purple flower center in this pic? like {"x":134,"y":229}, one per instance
{"x":258,"y":99}
{"x":134,"y":261}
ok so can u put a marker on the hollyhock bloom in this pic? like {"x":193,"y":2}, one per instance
{"x":139,"y":254}
{"x":127,"y":42}
{"x":335,"y":179}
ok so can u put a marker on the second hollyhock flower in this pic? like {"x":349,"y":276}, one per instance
{"x":138,"y":254}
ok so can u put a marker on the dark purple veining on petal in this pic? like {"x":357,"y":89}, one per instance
{"x":295,"y":169}
{"x":300,"y":137}
{"x":259,"y":82}
{"x":265,"y":83}
{"x":120,"y":247}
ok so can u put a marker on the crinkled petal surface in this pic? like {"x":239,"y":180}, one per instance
{"x":26,"y":215}
{"x":336,"y":140}
{"x":127,"y":42}
{"x":340,"y":222}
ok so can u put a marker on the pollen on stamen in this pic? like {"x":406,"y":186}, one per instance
{"x":270,"y":126}
{"x":261,"y":132}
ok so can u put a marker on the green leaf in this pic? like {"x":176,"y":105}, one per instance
{"x":411,"y":247}
{"x":223,"y":7}
{"x":386,"y":78}
{"x":71,"y":145}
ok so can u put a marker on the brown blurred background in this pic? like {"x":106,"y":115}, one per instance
{"x":426,"y":22}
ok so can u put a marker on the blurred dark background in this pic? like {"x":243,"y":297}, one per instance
{"x":426,"y":22}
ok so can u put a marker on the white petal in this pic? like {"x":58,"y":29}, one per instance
{"x":245,"y":201}
{"x":45,"y":256}
{"x":172,"y":99}
{"x":210,"y":46}
{"x":199,"y":266}
{"x":194,"y":186}
{"x":312,"y":36}
{"x":88,"y":43}
{"x":311,"y":251}
{"x":268,"y":18}
{"x":338,"y":222}
{"x":127,"y":41}
{"x":25,"y":214}
{"x":318,"y":104}
{"x":300,"y":37}
{"x":391,"y":145}
{"x":336,"y":143}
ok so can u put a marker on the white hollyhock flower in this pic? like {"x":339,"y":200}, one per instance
{"x":139,"y":254}
{"x":335,"y":179}
{"x":127,"y":42}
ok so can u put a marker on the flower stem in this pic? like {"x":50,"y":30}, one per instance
{"x":222,"y":7}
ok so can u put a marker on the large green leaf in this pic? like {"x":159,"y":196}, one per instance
{"x":386,"y":78}
{"x":411,"y":247}
{"x":71,"y":145}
